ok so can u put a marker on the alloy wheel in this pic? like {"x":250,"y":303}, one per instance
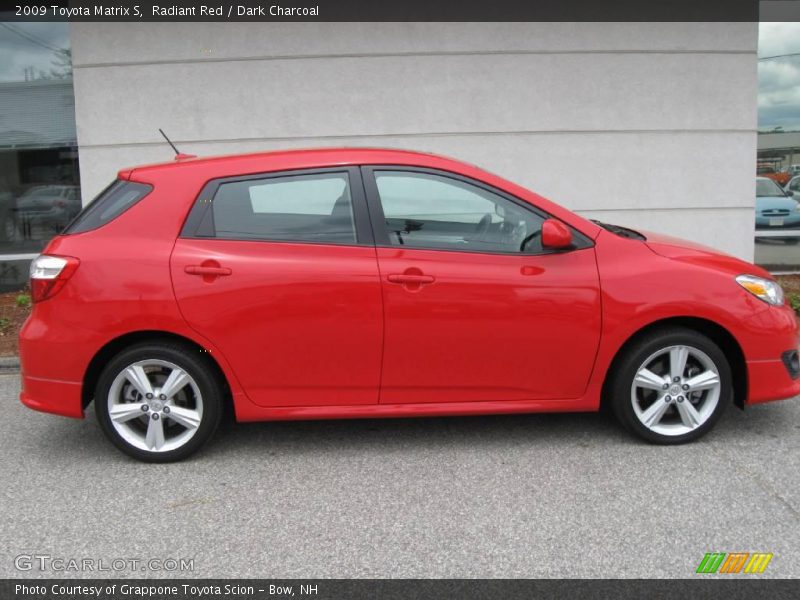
{"x":155,"y":405}
{"x":676,"y":390}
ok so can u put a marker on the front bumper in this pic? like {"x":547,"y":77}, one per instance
{"x":788,"y":222}
{"x":772,"y":367}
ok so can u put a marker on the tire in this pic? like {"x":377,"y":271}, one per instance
{"x":677,"y":414}
{"x":187,"y":414}
{"x":10,"y":230}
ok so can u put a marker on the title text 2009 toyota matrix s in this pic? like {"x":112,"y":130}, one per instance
{"x":341,"y":283}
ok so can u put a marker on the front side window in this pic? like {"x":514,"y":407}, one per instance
{"x":303,"y":208}
{"x":424,"y":210}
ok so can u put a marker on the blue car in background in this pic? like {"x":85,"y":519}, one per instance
{"x":776,"y":209}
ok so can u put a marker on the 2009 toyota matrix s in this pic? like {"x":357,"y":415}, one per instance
{"x":341,"y":283}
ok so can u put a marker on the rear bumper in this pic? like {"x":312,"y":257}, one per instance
{"x":50,"y":375}
{"x":52,"y":396}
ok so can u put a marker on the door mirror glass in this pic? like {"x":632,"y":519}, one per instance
{"x":555,"y":235}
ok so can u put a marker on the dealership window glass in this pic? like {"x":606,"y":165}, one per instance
{"x":423,"y":210}
{"x":777,"y":190}
{"x":303,"y":208}
{"x":39,"y":179}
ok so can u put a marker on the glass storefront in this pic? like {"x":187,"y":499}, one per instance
{"x":39,"y":177}
{"x":40,"y":181}
{"x":777,"y":222}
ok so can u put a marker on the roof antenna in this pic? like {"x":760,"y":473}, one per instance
{"x":178,"y":155}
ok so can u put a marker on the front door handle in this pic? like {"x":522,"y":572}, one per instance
{"x":406,"y":278}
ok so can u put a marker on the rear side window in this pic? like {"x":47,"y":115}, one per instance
{"x":111,"y":203}
{"x":303,"y":208}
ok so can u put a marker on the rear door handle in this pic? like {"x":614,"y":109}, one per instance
{"x":207,"y":270}
{"x":403,"y":278}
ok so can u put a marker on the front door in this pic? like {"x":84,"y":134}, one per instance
{"x":279,"y":272}
{"x":475,"y":309}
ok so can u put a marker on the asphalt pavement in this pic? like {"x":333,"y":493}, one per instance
{"x":500,"y":496}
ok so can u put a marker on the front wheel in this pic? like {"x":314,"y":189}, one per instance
{"x":671,"y":386}
{"x":158,"y":402}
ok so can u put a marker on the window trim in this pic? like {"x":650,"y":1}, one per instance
{"x":381,"y":233}
{"x":199,"y":223}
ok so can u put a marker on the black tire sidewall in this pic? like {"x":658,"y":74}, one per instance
{"x":632,"y":360}
{"x":187,"y":359}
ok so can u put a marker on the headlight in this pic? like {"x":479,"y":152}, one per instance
{"x":766,"y":289}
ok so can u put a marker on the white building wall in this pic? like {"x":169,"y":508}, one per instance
{"x":649,"y":125}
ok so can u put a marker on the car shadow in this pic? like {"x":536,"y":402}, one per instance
{"x":483,"y":432}
{"x":487,"y":431}
{"x":420,"y":433}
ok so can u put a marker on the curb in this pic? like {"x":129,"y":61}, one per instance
{"x":9,"y":364}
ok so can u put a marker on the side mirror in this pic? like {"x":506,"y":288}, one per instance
{"x":555,"y":234}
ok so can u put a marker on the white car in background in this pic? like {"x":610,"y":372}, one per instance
{"x":793,"y":187}
{"x":51,"y":205}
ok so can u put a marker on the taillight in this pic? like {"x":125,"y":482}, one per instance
{"x":49,"y":274}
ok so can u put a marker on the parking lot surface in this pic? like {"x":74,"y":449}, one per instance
{"x":501,"y":496}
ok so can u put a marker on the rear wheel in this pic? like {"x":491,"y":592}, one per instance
{"x":158,"y":402}
{"x":671,"y":386}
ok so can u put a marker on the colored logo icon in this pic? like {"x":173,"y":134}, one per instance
{"x":734,"y":562}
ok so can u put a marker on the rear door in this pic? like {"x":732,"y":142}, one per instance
{"x":279,"y":271}
{"x":475,"y":309}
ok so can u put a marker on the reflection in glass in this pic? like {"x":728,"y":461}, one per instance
{"x":39,"y":178}
{"x":777,"y":218}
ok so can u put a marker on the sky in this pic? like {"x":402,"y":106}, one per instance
{"x":19,"y":52}
{"x":779,"y":79}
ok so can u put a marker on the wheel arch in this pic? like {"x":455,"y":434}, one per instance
{"x":714,"y":331}
{"x":116,"y":345}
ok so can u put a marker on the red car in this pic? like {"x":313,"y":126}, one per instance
{"x":341,"y":283}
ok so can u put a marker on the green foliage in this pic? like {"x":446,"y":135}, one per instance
{"x":794,"y":301}
{"x":23,"y":300}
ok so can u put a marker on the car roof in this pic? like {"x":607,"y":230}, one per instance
{"x":217,"y":167}
{"x":302,"y":158}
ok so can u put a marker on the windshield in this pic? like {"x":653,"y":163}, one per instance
{"x":767,"y":187}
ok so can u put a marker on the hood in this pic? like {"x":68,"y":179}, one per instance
{"x":691,"y":252}
{"x":776,"y":203}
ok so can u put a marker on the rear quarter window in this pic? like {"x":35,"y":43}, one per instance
{"x":108,"y":205}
